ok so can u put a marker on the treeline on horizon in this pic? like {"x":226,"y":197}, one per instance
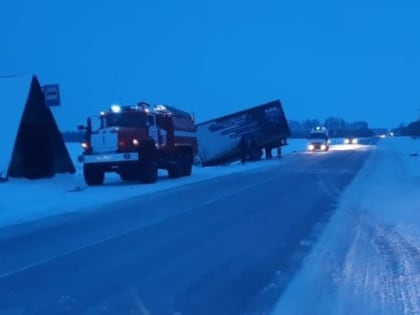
{"x":337,"y":127}
{"x":412,"y":129}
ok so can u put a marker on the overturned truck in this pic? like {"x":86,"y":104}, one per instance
{"x":243,"y":135}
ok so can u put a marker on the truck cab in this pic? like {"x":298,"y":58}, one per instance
{"x":135,"y":141}
{"x":318,"y":139}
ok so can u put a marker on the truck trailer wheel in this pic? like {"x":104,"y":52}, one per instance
{"x":93,"y":175}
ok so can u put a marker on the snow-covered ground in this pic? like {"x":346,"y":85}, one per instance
{"x":367,"y":259}
{"x":24,"y":200}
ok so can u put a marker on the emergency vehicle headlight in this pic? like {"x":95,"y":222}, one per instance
{"x":160,"y":107}
{"x":116,"y":108}
{"x":85,"y":145}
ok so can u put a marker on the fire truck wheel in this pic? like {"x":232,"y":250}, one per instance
{"x":127,"y":176}
{"x":187,"y":164}
{"x":148,"y":166}
{"x":93,"y":175}
{"x":175,"y":170}
{"x":188,"y":169}
{"x":175,"y":167}
{"x":149,"y":172}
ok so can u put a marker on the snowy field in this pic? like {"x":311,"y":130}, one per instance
{"x":25,"y":200}
{"x":367,"y":260}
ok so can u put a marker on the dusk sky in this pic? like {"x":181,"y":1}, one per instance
{"x":359,"y":60}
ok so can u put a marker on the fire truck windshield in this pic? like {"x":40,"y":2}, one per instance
{"x":125,"y":120}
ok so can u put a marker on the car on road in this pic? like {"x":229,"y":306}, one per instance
{"x":351,"y":140}
{"x":318,"y":139}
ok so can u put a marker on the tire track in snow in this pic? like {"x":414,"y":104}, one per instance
{"x":388,"y":272}
{"x":401,"y":282}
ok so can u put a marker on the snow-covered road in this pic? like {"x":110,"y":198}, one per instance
{"x":367,"y":260}
{"x":204,"y":248}
{"x":24,"y":200}
{"x":364,"y":260}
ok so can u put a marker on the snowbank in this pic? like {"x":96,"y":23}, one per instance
{"x":367,"y":260}
{"x":25,"y":200}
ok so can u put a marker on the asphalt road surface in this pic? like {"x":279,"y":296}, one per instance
{"x":212,"y":247}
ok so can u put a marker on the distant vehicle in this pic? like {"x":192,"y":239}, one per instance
{"x":351,"y":140}
{"x":136,"y":141}
{"x":243,"y":135}
{"x":318,"y":139}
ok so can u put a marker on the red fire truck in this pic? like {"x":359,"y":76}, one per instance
{"x":136,"y":141}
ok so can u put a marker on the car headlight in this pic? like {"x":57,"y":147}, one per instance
{"x":311,"y":147}
{"x":346,"y":141}
{"x":354,"y":141}
{"x":323,"y":147}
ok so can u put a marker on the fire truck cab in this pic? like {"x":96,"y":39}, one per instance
{"x":137,"y":140}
